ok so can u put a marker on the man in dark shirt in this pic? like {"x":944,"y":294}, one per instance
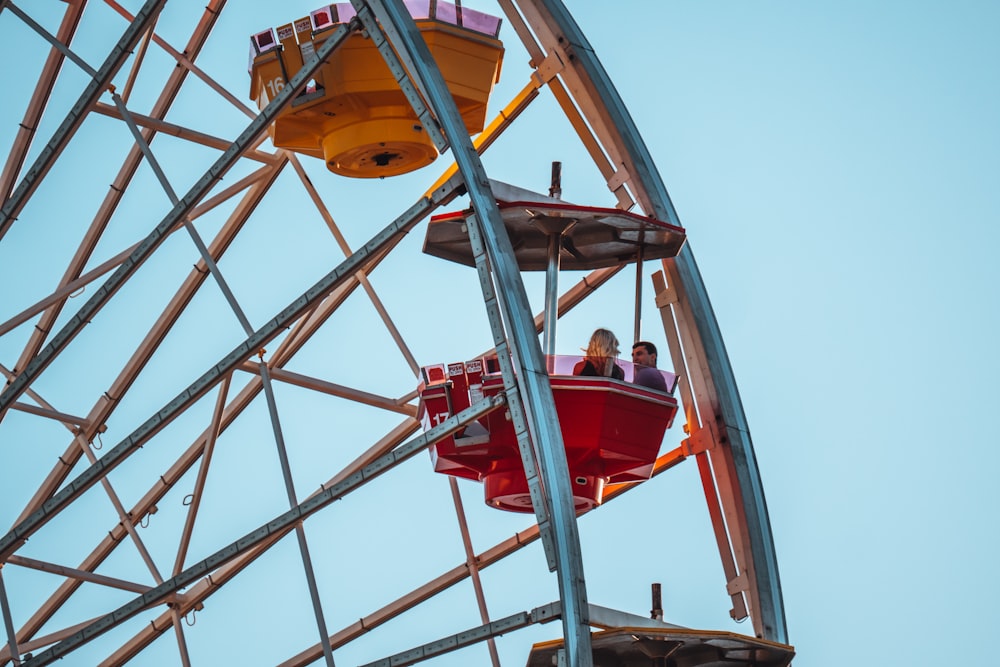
{"x":644,"y":358}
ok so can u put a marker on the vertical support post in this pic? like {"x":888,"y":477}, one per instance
{"x":551,"y":298}
{"x":532,"y":380}
{"x":656,"y":613}
{"x":473,"y":565}
{"x":199,"y":483}
{"x":8,"y":622}
{"x":552,"y":276}
{"x":637,"y":330}
{"x":300,"y":533}
{"x":182,"y":647}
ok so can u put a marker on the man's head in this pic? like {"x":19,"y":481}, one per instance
{"x":644,"y":353}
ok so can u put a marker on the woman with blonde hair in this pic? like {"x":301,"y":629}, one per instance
{"x":600,"y":356}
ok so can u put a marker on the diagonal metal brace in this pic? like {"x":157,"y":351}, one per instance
{"x":515,"y":406}
{"x":522,"y":619}
{"x":279,"y":524}
{"x":182,"y":208}
{"x":10,"y":542}
{"x":98,"y":84}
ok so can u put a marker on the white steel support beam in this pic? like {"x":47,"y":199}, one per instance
{"x":600,"y":617}
{"x":68,"y":290}
{"x":181,"y":641}
{"x":140,"y":57}
{"x":582,"y":113}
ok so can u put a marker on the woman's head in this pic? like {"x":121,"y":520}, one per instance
{"x":603,"y":347}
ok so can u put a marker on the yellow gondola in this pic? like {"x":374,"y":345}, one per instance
{"x":353,"y":114}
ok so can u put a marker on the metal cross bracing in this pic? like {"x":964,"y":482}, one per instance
{"x":142,"y":407}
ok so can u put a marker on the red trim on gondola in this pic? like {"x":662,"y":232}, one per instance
{"x":562,"y":206}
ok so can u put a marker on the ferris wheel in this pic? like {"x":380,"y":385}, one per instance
{"x":275,"y":387}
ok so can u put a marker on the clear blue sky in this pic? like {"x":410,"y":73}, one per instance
{"x":837,"y":168}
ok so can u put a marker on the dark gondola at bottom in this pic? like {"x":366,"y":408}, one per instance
{"x":612,"y":430}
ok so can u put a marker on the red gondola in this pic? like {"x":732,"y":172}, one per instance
{"x":612,"y":430}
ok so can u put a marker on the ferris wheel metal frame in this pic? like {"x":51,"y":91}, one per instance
{"x":565,"y":64}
